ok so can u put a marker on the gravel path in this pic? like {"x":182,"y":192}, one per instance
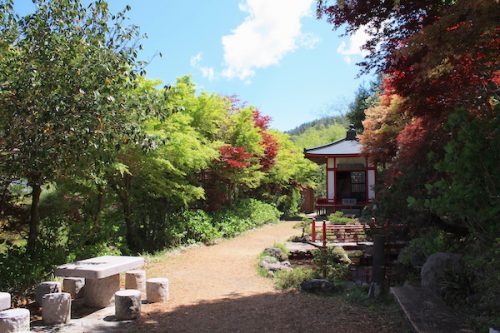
{"x":217,"y":289}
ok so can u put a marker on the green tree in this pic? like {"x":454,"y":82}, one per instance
{"x":64,"y":78}
{"x":363,"y":99}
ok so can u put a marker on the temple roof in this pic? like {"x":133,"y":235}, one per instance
{"x":347,"y":146}
{"x":340,"y":147}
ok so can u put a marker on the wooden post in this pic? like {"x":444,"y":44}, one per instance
{"x":324,"y":233}
{"x":313,"y":230}
{"x":378,"y":268}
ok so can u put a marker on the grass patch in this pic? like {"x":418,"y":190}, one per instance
{"x":293,"y":278}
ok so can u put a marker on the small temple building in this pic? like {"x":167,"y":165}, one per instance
{"x":350,"y":175}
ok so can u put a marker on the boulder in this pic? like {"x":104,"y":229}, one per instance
{"x":127,"y":304}
{"x":435,"y":268}
{"x":276,"y":253}
{"x":44,"y":288}
{"x":56,"y":308}
{"x":317,"y":286}
{"x":15,"y":320}
{"x":73,"y":286}
{"x":271,"y":264}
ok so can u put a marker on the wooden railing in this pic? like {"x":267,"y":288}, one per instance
{"x":338,"y":233}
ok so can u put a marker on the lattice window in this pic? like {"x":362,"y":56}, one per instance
{"x":358,"y":181}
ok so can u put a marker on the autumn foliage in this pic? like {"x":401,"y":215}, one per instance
{"x":234,"y":157}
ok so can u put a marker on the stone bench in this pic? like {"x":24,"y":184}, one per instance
{"x":127,"y":304}
{"x":426,"y":312}
{"x":102,"y":276}
{"x":56,"y":308}
{"x":15,"y":320}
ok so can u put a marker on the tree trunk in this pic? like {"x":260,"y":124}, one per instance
{"x":127,"y":213}
{"x":34,"y":215}
{"x":99,"y":208}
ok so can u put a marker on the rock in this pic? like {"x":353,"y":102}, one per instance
{"x":157,"y":290}
{"x":5,"y":301}
{"x":286,"y":264}
{"x":276,"y":253}
{"x":435,"y":268}
{"x":100,"y":293}
{"x":317,"y":285}
{"x":73,"y":286}
{"x":127,"y":304}
{"x":136,"y":280}
{"x":271,"y":264}
{"x":56,"y":308}
{"x":15,"y":320}
{"x":44,"y":288}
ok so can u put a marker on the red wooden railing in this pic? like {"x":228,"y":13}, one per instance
{"x":339,"y":233}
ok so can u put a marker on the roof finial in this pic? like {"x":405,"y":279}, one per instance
{"x":351,"y":133}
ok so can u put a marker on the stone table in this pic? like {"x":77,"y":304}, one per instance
{"x":102,"y":276}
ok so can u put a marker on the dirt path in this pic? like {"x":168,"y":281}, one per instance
{"x":227,"y":269}
{"x":217,"y":289}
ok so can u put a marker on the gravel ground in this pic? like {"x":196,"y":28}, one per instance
{"x":217,"y":289}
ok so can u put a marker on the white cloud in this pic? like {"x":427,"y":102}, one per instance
{"x":356,"y":42}
{"x":196,"y":59}
{"x":270,"y":31}
{"x":206,"y":72}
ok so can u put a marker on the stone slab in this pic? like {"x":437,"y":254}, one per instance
{"x":426,"y":312}
{"x":99,"y":267}
{"x":4,"y":301}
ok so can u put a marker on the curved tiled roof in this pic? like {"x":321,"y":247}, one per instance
{"x":340,"y":147}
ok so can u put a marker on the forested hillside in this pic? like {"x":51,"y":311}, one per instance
{"x":319,"y":132}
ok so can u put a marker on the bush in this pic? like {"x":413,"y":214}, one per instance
{"x":413,"y":256}
{"x":196,"y":226}
{"x":245,"y":215}
{"x":339,"y":218}
{"x":332,"y":263}
{"x":293,"y":278}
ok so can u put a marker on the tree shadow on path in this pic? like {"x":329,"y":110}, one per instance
{"x":272,"y":312}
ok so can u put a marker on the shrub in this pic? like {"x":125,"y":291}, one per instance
{"x":418,"y":249}
{"x":197,"y":226}
{"x":293,"y":278}
{"x":246,"y":214}
{"x":339,"y":218}
{"x":332,"y":263}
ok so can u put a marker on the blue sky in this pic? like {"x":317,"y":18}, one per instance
{"x":273,"y":54}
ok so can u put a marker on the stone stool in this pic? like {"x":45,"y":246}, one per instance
{"x":157,"y":290}
{"x":127,"y":304}
{"x":136,"y":280}
{"x":44,"y":288}
{"x":73,"y":286}
{"x":4,"y":301}
{"x":100,"y":293}
{"x":56,"y":308}
{"x":15,"y":320}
